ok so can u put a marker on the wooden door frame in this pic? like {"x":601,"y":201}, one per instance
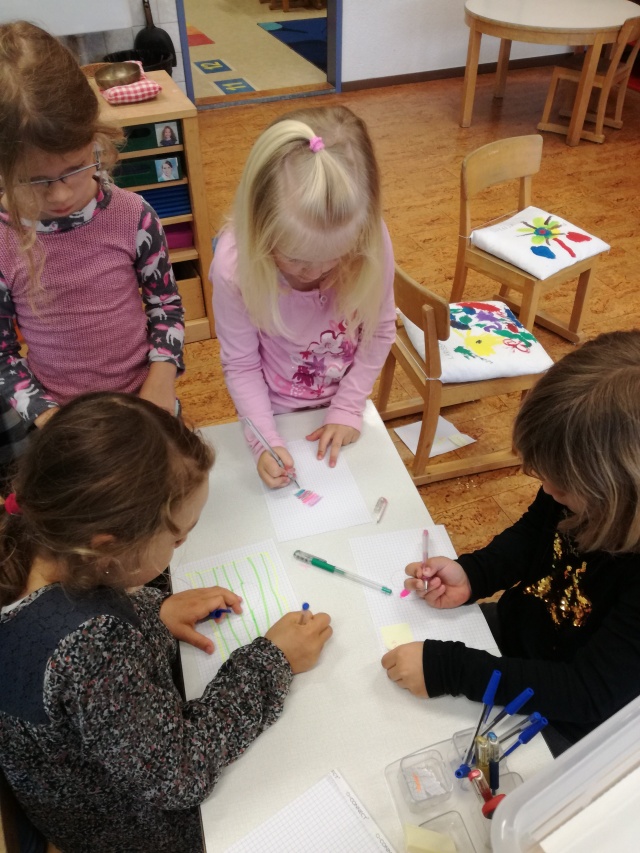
{"x":334,"y":48}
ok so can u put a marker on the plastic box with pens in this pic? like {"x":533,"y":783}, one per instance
{"x":453,"y":787}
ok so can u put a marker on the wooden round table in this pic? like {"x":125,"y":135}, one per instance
{"x":593,"y":23}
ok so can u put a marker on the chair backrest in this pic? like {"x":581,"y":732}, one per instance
{"x":629,"y":33}
{"x":516,"y":157}
{"x":411,"y":298}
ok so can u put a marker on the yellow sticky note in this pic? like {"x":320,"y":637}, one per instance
{"x":396,"y":635}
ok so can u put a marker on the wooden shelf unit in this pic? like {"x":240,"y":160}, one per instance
{"x":193,"y":282}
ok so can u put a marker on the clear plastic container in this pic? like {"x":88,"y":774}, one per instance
{"x":427,"y":781}
{"x":572,"y":791}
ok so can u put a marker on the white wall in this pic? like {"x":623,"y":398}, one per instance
{"x":387,"y":38}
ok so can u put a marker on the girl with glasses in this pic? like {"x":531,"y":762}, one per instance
{"x":75,"y":251}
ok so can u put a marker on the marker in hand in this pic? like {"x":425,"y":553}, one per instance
{"x":217,"y":613}
{"x":425,"y":557}
{"x":304,"y":616}
{"x":263,"y":441}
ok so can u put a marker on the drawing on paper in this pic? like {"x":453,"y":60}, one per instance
{"x":257,"y":575}
{"x":308,"y":497}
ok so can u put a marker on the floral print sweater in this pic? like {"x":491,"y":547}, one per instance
{"x":96,"y":742}
{"x":318,"y":364}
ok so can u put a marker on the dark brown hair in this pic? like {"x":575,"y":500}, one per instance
{"x":104,"y":464}
{"x":579,"y":428}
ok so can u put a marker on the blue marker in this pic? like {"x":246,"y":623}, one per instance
{"x":304,"y":616}
{"x":512,"y":708}
{"x":216,"y":614}
{"x":489,"y":695}
{"x":526,"y":736}
{"x":520,"y":727}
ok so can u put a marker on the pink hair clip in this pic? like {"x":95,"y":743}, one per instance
{"x":316,"y":144}
{"x":11,"y":504}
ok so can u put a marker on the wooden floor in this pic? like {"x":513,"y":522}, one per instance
{"x":420,"y":147}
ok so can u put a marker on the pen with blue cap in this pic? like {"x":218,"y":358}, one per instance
{"x":511,"y":708}
{"x":487,"y":706}
{"x":520,"y":727}
{"x":217,"y":613}
{"x":526,"y":736}
{"x":263,"y":441}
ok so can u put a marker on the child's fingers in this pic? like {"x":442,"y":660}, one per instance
{"x":414,"y":584}
{"x":194,"y":638}
{"x":414,"y":570}
{"x":315,"y":435}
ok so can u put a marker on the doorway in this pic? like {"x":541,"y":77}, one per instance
{"x":243,"y":50}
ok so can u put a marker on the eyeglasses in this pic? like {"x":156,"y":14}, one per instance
{"x":71,"y":178}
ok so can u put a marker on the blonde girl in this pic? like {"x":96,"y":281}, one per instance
{"x":568,"y":625}
{"x":303,"y":281}
{"x":75,"y":251}
{"x":96,"y":742}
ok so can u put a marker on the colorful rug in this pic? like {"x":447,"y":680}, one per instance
{"x":196,"y":37}
{"x":307,"y":37}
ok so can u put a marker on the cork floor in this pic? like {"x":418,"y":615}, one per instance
{"x":420,"y":147}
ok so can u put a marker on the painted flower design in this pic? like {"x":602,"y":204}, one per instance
{"x":543,"y":230}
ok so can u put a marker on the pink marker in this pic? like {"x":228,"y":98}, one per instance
{"x":425,"y":553}
{"x":405,"y":593}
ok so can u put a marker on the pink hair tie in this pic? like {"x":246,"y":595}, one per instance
{"x":316,"y":144}
{"x":11,"y":504}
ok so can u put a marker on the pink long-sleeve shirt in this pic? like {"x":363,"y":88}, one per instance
{"x":318,"y":364}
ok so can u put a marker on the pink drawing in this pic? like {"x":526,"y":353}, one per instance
{"x":308,"y":497}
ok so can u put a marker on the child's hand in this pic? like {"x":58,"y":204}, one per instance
{"x":181,"y":611}
{"x":404,"y":666}
{"x":336,"y":435}
{"x":159,"y":386}
{"x":301,"y":644}
{"x":271,"y":473}
{"x":447,"y":584}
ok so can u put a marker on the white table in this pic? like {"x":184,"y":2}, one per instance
{"x":572,"y":22}
{"x":345,"y":713}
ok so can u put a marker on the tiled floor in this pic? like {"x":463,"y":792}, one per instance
{"x":251,"y":54}
{"x":420,"y":147}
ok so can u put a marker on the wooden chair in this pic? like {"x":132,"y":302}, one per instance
{"x":432,"y":314}
{"x":613,"y":72}
{"x":516,"y":157}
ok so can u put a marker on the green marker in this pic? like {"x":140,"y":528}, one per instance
{"x":322,"y":564}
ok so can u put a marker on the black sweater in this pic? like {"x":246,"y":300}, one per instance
{"x":569,"y":624}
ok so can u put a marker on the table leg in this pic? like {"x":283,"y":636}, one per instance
{"x":503,"y":68}
{"x":585,"y":87}
{"x":470,"y":76}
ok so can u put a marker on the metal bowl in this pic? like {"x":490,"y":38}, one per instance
{"x":117,"y":74}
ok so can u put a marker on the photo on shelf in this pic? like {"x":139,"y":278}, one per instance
{"x":168,"y":169}
{"x":167,"y":133}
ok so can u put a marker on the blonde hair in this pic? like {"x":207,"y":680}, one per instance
{"x":579,"y":428}
{"x":291,"y":198}
{"x":46,"y":103}
{"x":106,"y":463}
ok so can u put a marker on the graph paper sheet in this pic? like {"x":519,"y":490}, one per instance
{"x":327,"y":817}
{"x":383,"y":558}
{"x":255,"y":572}
{"x":342,"y":504}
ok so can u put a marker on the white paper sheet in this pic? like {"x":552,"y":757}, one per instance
{"x":327,"y":817}
{"x":383,"y":558}
{"x":342,"y":504}
{"x":447,"y":437}
{"x":254,"y":572}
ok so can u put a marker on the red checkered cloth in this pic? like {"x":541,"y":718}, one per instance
{"x":144,"y":90}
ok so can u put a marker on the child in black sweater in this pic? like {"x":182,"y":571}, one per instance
{"x":568,"y":623}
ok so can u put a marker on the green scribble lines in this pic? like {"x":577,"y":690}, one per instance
{"x":236,"y":576}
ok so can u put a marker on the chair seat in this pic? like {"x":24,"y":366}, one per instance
{"x":538,"y":242}
{"x":486,"y":342}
